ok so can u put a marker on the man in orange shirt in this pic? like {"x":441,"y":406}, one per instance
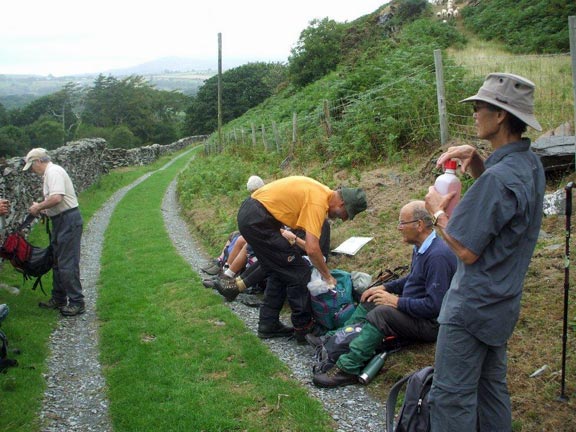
{"x":299,"y":203}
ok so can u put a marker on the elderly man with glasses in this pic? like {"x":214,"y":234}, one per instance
{"x":407,"y":307}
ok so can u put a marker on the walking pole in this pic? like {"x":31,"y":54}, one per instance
{"x":568,"y":190}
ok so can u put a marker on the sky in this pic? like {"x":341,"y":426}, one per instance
{"x":65,"y":37}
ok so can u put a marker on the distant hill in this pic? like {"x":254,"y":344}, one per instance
{"x":166,"y":65}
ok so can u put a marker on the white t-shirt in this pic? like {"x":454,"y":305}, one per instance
{"x":57,"y":182}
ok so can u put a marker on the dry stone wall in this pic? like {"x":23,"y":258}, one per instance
{"x":85,"y":161}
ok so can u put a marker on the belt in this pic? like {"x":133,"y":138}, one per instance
{"x":63,"y":213}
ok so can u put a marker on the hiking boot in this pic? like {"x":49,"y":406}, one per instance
{"x":227,"y":287}
{"x":209,"y":283}
{"x":212,"y":268}
{"x":335,"y":377}
{"x":51,"y":304}
{"x":73,"y":310}
{"x":277,"y":329}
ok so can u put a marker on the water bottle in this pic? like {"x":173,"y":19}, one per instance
{"x":372,"y":368}
{"x":449,"y":182}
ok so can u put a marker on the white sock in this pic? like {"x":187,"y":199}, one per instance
{"x":229,"y":273}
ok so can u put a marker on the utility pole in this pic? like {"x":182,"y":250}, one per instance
{"x":220,"y":91}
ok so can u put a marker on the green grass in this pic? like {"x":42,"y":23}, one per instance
{"x":174,"y":356}
{"x":28,"y":327}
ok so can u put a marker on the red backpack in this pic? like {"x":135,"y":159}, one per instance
{"x":31,"y":261}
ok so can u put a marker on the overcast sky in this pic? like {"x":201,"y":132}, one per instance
{"x":62,"y":37}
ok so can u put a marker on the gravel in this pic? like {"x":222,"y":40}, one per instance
{"x":75,"y":398}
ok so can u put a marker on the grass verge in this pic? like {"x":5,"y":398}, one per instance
{"x":175,"y":357}
{"x":28,"y":327}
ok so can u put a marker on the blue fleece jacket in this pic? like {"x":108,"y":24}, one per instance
{"x":423,"y":289}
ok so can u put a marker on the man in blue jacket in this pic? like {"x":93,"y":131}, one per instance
{"x":407,"y":307}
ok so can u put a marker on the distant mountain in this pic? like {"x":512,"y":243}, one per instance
{"x":173,"y":64}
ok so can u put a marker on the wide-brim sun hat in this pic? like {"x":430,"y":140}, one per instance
{"x":512,"y":93}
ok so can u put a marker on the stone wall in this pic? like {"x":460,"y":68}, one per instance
{"x":85,"y":161}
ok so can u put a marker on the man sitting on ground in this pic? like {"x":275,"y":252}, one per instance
{"x":409,"y":315}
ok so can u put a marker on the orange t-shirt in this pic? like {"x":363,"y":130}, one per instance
{"x":298,"y":202}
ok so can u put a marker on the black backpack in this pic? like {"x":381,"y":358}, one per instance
{"x":332,"y":347}
{"x":415,"y":412}
{"x":5,"y":362}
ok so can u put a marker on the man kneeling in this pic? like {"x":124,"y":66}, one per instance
{"x":406,"y":308}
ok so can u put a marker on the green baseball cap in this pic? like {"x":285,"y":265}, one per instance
{"x":354,"y":201}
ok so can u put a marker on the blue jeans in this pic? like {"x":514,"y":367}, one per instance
{"x":469,"y":391}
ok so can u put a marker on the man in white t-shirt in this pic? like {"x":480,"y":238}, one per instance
{"x":61,"y":206}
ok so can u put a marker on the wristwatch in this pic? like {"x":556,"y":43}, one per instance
{"x":436,"y":216}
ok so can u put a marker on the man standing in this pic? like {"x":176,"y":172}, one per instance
{"x":407,"y":307}
{"x":61,"y":205}
{"x":299,"y":203}
{"x":493,"y":232}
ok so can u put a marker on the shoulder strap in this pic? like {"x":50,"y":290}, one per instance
{"x":391,"y":402}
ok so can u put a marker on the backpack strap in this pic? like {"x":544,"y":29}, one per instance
{"x":391,"y":402}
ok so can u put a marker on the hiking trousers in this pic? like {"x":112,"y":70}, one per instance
{"x":469,"y":386}
{"x":287,"y":272}
{"x":66,"y":239}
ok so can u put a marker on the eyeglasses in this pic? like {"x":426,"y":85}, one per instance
{"x":401,"y":224}
{"x":477,"y":107}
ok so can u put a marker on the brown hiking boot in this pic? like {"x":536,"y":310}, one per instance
{"x":51,"y":304}
{"x":73,"y":310}
{"x":227,"y":287}
{"x":335,"y":377}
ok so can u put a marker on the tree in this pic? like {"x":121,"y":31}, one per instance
{"x":14,"y":141}
{"x":4,"y":118}
{"x":317,"y":52}
{"x":46,"y":133}
{"x":243,"y":87}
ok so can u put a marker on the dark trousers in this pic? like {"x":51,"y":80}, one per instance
{"x":66,"y":239}
{"x":287,"y":272}
{"x":392,"y":322}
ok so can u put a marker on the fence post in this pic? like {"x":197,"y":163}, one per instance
{"x":253,"y":135}
{"x":327,"y":124}
{"x":276,"y":137}
{"x":440,"y":94}
{"x":294,"y":132}
{"x":572,"y":34}
{"x":264,"y":138}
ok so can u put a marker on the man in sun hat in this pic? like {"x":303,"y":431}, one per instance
{"x":493,"y":232}
{"x":61,"y":206}
{"x":299,"y":203}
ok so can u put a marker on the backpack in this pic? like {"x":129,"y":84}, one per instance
{"x":415,"y":412}
{"x":332,"y":309}
{"x":31,"y":261}
{"x":327,"y":354}
{"x":4,"y":361}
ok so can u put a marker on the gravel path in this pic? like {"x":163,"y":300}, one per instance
{"x":75,"y":399}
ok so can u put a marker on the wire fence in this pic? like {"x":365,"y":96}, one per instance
{"x":554,"y":105}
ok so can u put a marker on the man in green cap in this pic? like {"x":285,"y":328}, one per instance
{"x":299,"y":203}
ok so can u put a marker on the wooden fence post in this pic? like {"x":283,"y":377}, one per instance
{"x":294,"y":132}
{"x":327,"y":125}
{"x":440,"y":94}
{"x":253,"y":135}
{"x":276,"y":136}
{"x":264,"y":138}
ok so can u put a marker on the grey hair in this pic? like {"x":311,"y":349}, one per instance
{"x":420,"y":213}
{"x":45,"y":159}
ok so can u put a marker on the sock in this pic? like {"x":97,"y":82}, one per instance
{"x":229,"y":273}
